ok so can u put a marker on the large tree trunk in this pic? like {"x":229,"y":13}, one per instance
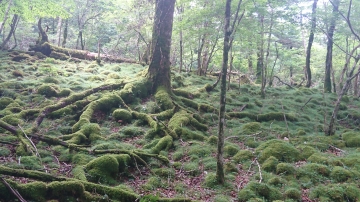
{"x":159,"y":69}
{"x":220,"y":176}
{"x":43,"y":37}
{"x":308,"y":50}
{"x":330,"y":34}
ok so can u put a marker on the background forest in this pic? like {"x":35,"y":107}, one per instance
{"x":84,"y":129}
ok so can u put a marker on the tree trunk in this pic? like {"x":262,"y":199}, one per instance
{"x":43,"y":37}
{"x":220,"y":176}
{"x":330,"y":34}
{"x":14,"y":22}
{"x":308,"y":50}
{"x":65,"y":33}
{"x":5,"y":16}
{"x":59,"y":28}
{"x":199,"y":61}
{"x":159,"y":69}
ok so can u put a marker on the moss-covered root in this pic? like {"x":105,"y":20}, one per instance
{"x":181,"y":119}
{"x":164,"y":144}
{"x":105,"y":103}
{"x":71,"y":190}
{"x":29,"y":174}
{"x":163,"y":98}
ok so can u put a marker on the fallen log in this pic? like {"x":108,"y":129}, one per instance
{"x":65,"y":53}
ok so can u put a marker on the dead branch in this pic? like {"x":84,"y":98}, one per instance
{"x":283,"y":82}
{"x":257,"y":163}
{"x":14,"y":191}
{"x":305,"y":104}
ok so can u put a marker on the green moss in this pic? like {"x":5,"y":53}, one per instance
{"x":251,"y":128}
{"x":30,"y":162}
{"x":259,"y":190}
{"x":33,"y":190}
{"x":51,"y":80}
{"x":152,"y":183}
{"x":335,"y":192}
{"x":5,"y":101}
{"x":166,"y":173}
{"x":243,"y":155}
{"x":230,"y":167}
{"x":351,"y":138}
{"x":230,"y":150}
{"x":104,"y":168}
{"x":181,"y":119}
{"x":270,"y":164}
{"x":210,"y":180}
{"x":293,"y":193}
{"x":13,"y":120}
{"x":340,"y":174}
{"x":48,"y":90}
{"x":64,"y":190}
{"x":79,"y":173}
{"x":122,"y":114}
{"x":279,"y":149}
{"x":285,"y":169}
{"x":4,"y":151}
{"x":318,"y":158}
{"x":276,"y":181}
{"x":164,"y":144}
{"x":137,"y":89}
{"x":306,"y":151}
{"x":199,"y":151}
{"x":64,"y":92}
{"x":81,"y":159}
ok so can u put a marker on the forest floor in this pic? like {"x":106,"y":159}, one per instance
{"x":267,"y":157}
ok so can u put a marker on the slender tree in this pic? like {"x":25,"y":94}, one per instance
{"x":330,"y":34}
{"x":308,"y":49}
{"x":159,"y":69}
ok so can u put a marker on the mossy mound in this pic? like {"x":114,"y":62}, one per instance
{"x":336,"y":192}
{"x":122,"y":114}
{"x":48,"y":90}
{"x":351,"y":138}
{"x":243,"y":155}
{"x":281,"y":150}
{"x":285,"y":169}
{"x":340,"y":174}
{"x":5,"y":101}
{"x":105,"y":168}
{"x":312,"y":173}
{"x":270,"y":164}
{"x":250,"y":128}
{"x":259,"y":190}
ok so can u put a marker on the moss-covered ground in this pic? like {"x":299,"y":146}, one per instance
{"x":110,"y":140}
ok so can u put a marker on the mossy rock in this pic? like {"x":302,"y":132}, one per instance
{"x":270,"y":164}
{"x":340,"y":174}
{"x":48,"y":90}
{"x":104,"y":168}
{"x":243,"y":155}
{"x":251,"y":128}
{"x":281,"y":150}
{"x":285,"y":169}
{"x":65,"y":190}
{"x":51,"y":80}
{"x":122,"y":114}
{"x":351,"y":138}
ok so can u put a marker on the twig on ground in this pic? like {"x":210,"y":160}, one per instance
{"x":259,"y":169}
{"x":284,"y":82}
{"x":32,"y":143}
{"x":336,"y":149}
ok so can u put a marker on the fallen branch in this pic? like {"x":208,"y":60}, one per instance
{"x":259,"y":169}
{"x":14,"y":191}
{"x":305,"y":104}
{"x":283,"y":82}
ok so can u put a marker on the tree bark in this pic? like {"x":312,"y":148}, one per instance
{"x":308,"y":49}
{"x":220,"y":176}
{"x":329,"y":46}
{"x":159,"y":69}
{"x":59,"y":29}
{"x":43,"y":37}
{"x":65,"y":33}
